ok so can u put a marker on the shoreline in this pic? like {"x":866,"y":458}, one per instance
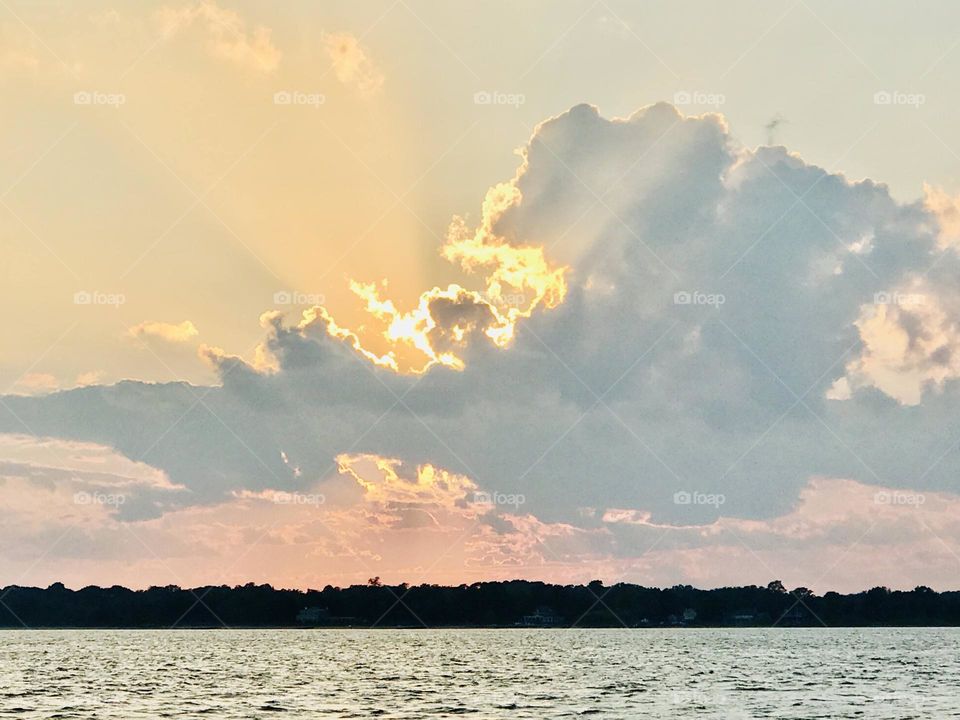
{"x":516,"y":604}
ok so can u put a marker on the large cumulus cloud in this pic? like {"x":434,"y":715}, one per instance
{"x":732,"y":322}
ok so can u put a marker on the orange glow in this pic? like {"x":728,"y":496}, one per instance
{"x":518,"y":279}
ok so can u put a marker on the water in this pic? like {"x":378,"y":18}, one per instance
{"x":734,"y":673}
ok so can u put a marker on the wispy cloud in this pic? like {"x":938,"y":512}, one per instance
{"x":169,"y":332}
{"x":352,"y":65}
{"x":32,"y":383}
{"x":227,"y":34}
{"x":91,"y":377}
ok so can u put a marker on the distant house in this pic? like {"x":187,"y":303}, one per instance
{"x":689,"y":615}
{"x":543,"y":616}
{"x":313,"y":616}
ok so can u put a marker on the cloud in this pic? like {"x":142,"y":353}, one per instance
{"x":38,"y":382}
{"x":386,"y":485}
{"x":43,"y":383}
{"x":351,"y":64}
{"x":377,"y":517}
{"x":946,"y":209}
{"x":91,"y":377}
{"x":518,"y":280}
{"x":227,"y":35}
{"x":655,"y":314}
{"x":168,"y":332}
{"x":911,"y":342}
{"x":37,"y":474}
{"x":840,"y":535}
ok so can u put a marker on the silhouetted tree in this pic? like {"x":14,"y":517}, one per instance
{"x":477,"y":604}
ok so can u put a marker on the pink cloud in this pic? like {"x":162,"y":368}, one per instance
{"x":424,"y":524}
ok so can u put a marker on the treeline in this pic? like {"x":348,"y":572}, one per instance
{"x":485,"y":604}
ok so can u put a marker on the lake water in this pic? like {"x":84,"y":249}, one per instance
{"x":735,"y":673}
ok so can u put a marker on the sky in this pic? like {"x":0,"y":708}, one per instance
{"x":308,"y":293}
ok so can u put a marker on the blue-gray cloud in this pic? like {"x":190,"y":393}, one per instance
{"x":712,"y":339}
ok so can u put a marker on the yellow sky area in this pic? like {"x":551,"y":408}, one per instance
{"x":198,"y":196}
{"x":181,"y":180}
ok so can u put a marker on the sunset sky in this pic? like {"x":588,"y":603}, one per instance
{"x":311,"y":292}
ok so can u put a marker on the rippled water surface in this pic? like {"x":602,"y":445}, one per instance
{"x":737,"y":673}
